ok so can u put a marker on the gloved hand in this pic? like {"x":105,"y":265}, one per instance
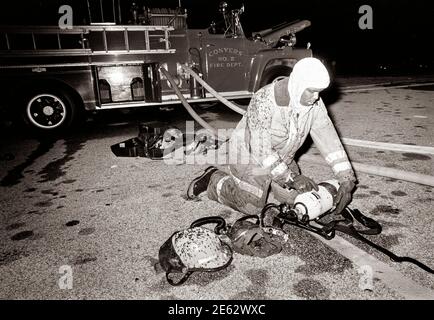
{"x":302,"y":184}
{"x":343,"y":197}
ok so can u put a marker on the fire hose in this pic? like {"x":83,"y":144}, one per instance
{"x":379,"y":171}
{"x":222,"y":99}
{"x":189,"y":109}
{"x":358,"y":167}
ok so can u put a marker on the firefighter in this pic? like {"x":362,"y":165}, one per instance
{"x":262,"y":147}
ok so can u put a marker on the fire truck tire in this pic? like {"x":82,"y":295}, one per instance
{"x":50,"y":110}
{"x":274,"y":73}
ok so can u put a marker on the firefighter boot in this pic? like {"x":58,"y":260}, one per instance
{"x":200,"y":184}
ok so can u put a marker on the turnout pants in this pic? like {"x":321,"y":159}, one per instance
{"x":247,"y":190}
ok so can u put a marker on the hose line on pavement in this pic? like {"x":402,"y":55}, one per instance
{"x":388,"y":146}
{"x":379,"y":171}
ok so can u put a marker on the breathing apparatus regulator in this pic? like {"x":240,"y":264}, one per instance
{"x":310,"y":205}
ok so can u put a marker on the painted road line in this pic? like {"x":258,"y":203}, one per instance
{"x":392,"y":278}
{"x":388,"y":146}
{"x":411,"y":85}
{"x":422,"y":117}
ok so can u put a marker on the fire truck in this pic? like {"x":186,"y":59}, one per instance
{"x":51,"y":75}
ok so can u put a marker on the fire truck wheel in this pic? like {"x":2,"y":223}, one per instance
{"x":49,"y":111}
{"x":275,"y":73}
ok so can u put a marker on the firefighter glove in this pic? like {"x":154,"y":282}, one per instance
{"x":302,"y":184}
{"x":343,"y":197}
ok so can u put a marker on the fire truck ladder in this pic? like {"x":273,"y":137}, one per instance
{"x":32,"y":40}
{"x":155,"y":39}
{"x":129,"y":39}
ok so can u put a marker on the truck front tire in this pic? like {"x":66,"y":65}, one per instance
{"x":49,"y":110}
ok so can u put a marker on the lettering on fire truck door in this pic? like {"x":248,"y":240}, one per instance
{"x":226,"y":64}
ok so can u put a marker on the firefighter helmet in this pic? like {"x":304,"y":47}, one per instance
{"x":193,"y":249}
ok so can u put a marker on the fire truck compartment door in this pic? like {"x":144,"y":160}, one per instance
{"x":119,"y":80}
{"x":129,"y":82}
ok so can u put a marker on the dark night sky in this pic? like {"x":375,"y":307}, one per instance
{"x":403,"y":33}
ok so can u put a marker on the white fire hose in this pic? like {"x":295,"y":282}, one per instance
{"x":358,"y":167}
{"x":379,"y":171}
{"x":190,"y":110}
{"x":222,"y":99}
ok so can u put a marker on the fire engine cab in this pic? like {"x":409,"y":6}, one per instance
{"x":53,"y":74}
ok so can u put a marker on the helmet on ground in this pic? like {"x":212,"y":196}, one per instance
{"x":193,"y":249}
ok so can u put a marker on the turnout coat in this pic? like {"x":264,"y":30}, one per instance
{"x":263,"y":145}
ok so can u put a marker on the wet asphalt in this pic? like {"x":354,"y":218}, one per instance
{"x":69,"y":201}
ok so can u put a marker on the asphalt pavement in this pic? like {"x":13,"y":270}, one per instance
{"x":69,"y":206}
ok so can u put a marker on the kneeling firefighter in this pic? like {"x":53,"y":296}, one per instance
{"x":262,"y":147}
